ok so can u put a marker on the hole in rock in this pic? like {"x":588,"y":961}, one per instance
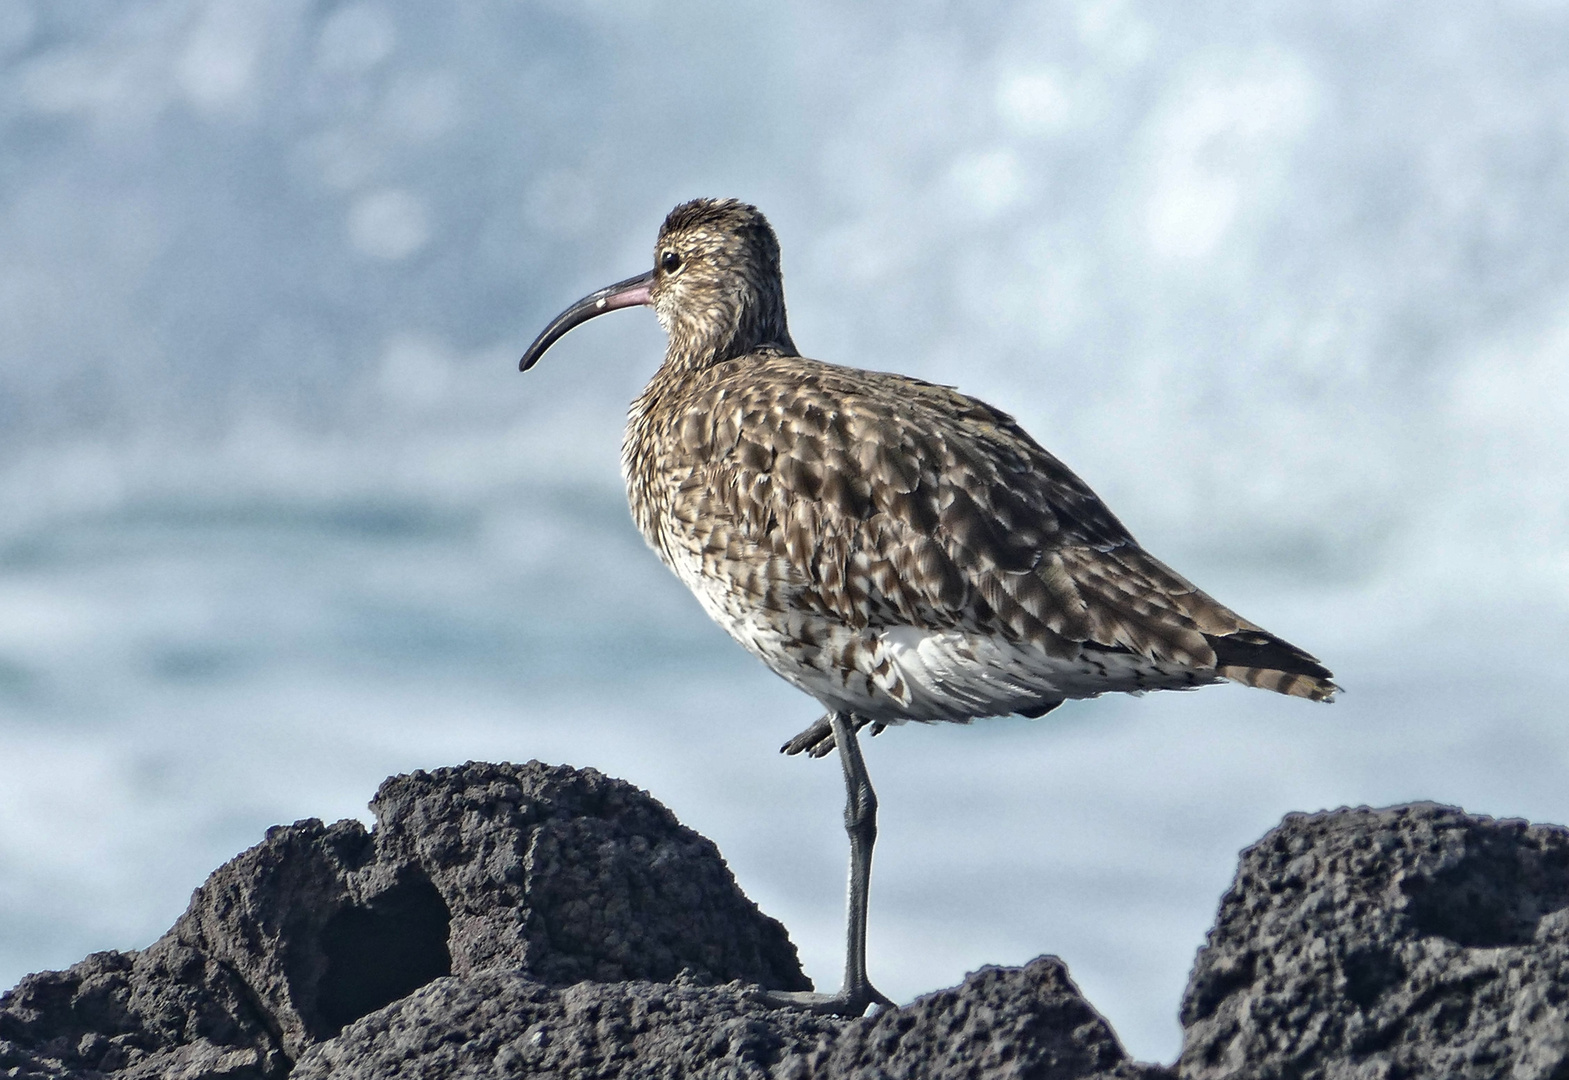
{"x":1369,"y":973}
{"x":1494,"y":897}
{"x":380,"y":953}
{"x":1472,"y":916}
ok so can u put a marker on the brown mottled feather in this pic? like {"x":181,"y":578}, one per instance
{"x":844,"y":501}
{"x":919,"y":503}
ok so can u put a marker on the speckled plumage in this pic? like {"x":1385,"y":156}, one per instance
{"x":898,"y":550}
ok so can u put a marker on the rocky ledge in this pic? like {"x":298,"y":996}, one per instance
{"x":542,"y":921}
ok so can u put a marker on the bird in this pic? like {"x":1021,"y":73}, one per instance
{"x":898,"y":550}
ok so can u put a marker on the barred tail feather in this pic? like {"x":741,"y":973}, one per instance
{"x":1265,"y":661}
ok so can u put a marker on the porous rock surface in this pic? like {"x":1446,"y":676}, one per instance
{"x":560,"y":874}
{"x":507,"y":920}
{"x":1417,"y":941}
{"x":1028,"y":1023}
{"x":537,"y":921}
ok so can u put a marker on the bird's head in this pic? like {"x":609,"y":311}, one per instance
{"x":715,"y":286}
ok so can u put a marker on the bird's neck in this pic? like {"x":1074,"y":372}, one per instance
{"x":726,"y":331}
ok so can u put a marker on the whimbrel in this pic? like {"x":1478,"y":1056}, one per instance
{"x":896,"y":549}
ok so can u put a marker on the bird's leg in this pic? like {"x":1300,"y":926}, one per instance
{"x":860,"y":822}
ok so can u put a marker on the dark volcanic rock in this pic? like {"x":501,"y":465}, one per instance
{"x":501,"y":1024}
{"x":1001,"y":1024}
{"x":502,"y":921}
{"x":1028,"y":1023}
{"x":557,"y":873}
{"x":570,"y":875}
{"x":165,"y":1011}
{"x":1411,"y":942}
{"x":509,"y":920}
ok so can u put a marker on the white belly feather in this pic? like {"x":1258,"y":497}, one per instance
{"x":899,"y":673}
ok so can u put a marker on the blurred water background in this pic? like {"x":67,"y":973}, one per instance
{"x":1287,"y":283}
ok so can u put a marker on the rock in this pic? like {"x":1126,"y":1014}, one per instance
{"x":163,"y":1012}
{"x":1001,"y":1024}
{"x":507,"y":920}
{"x":570,"y":875}
{"x":502,"y":1024}
{"x":1414,"y":941}
{"x":557,"y":873}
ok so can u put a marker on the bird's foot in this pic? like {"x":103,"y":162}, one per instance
{"x":818,"y":740}
{"x":848,"y":1002}
{"x":815,"y":741}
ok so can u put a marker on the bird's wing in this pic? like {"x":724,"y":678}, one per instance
{"x":893,"y":502}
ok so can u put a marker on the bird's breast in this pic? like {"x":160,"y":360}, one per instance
{"x":641,"y":468}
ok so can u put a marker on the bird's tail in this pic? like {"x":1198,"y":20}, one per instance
{"x":1255,"y":658}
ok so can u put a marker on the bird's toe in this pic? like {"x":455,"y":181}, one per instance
{"x":848,"y":1002}
{"x":815,"y":741}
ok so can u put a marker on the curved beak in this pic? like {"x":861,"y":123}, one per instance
{"x":629,"y":293}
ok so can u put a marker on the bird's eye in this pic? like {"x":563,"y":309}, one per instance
{"x":670,"y":261}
